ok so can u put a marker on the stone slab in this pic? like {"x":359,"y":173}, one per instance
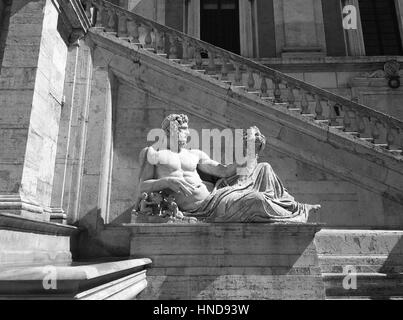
{"x":229,"y":260}
{"x":96,"y":280}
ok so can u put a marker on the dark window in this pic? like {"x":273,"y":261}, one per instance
{"x":380,"y":27}
{"x":219,"y":23}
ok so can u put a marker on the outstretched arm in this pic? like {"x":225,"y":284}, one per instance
{"x":148,"y":183}
{"x":212,"y":167}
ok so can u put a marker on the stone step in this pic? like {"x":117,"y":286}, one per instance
{"x":96,"y":280}
{"x":374,"y":285}
{"x":376,"y":256}
{"x":363,"y":298}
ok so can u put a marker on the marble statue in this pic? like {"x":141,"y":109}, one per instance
{"x":145,"y":205}
{"x":256,"y":196}
{"x":172,"y":209}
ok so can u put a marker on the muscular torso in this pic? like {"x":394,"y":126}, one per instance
{"x":182,"y":165}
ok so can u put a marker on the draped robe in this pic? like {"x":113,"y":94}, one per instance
{"x":260,"y":198}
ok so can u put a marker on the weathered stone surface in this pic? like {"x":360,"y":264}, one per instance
{"x":31,"y":88}
{"x":25,"y":241}
{"x":229,"y":261}
{"x":374,"y":258}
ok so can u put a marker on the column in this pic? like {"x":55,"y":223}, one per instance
{"x":31,"y":95}
{"x":94,"y":200}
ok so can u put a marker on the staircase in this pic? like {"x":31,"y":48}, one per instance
{"x":369,"y":143}
{"x":274,"y":88}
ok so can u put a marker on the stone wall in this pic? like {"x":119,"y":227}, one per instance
{"x":31,"y":95}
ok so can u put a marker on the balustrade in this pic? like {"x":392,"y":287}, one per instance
{"x":366,"y":123}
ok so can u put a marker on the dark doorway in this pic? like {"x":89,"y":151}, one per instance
{"x":380,"y":27}
{"x":219,"y":23}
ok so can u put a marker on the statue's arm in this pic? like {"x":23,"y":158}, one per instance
{"x":148,"y":182}
{"x":212,"y":167}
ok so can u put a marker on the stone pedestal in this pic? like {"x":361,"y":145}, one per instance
{"x":229,"y":261}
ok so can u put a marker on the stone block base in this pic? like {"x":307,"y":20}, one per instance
{"x":229,"y":261}
{"x":17,"y":205}
{"x":25,"y":241}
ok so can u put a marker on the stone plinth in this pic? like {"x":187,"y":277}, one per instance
{"x":26,"y":241}
{"x":229,"y":261}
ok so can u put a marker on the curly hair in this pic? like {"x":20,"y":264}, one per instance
{"x":175,"y":120}
{"x":260,"y":139}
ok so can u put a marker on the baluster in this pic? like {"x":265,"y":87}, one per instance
{"x":290,"y":96}
{"x":160,"y":42}
{"x":332,"y":114}
{"x":122,"y":25}
{"x":251,"y":80}
{"x":263,"y":86}
{"x":277,"y":90}
{"x":172,"y":48}
{"x":156,"y":40}
{"x":110,"y":27}
{"x":211,"y":62}
{"x":319,"y":108}
{"x":361,"y":126}
{"x":135,"y":33}
{"x":185,"y":51}
{"x":224,"y":69}
{"x":198,"y":59}
{"x":238,"y":75}
{"x":390,"y":138}
{"x":375,"y":130}
{"x":304,"y":103}
{"x":148,"y":39}
{"x":99,"y":14}
{"x":347,"y":120}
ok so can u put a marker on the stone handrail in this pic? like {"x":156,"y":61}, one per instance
{"x":323,"y":106}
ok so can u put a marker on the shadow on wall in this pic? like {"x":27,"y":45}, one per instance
{"x":5,"y":12}
{"x":96,"y":240}
{"x":392,"y":285}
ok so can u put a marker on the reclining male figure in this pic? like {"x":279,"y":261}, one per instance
{"x":258,"y":197}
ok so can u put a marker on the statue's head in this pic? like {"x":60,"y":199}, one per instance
{"x":144,"y":196}
{"x":176,"y":127}
{"x":253,"y":134}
